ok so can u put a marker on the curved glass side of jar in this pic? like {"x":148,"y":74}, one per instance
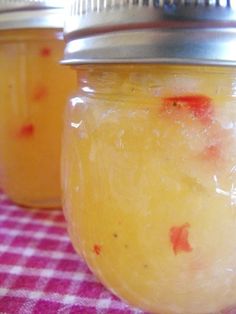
{"x":149,"y":180}
{"x":33,"y":93}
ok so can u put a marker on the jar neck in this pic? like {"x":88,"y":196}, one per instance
{"x":154,"y":80}
{"x":31,"y":34}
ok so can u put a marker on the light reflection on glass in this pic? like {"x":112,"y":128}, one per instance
{"x":231,"y":193}
{"x":87,"y":89}
{"x":76,"y":125}
{"x":234,"y":89}
{"x":76,"y":100}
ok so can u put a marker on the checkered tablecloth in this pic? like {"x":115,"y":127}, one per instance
{"x":39,"y":270}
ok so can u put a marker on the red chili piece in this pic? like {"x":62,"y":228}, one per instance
{"x":97,"y":249}
{"x":45,"y":52}
{"x":199,"y":105}
{"x":40,"y":93}
{"x":212,"y":152}
{"x":179,"y":239}
{"x":26,"y":130}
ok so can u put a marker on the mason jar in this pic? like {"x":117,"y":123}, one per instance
{"x":33,"y":92}
{"x":149,"y":151}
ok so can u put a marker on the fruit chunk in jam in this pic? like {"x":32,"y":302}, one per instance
{"x":149,"y":184}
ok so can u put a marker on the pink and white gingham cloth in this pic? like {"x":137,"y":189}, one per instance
{"x":39,"y":270}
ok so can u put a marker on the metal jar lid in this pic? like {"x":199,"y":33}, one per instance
{"x":151,"y":31}
{"x":15,"y":14}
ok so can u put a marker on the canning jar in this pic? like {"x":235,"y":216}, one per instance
{"x":33,"y":92}
{"x":149,"y":156}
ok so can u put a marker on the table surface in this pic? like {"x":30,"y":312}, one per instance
{"x":40,"y":271}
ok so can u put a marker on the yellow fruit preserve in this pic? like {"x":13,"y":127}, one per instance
{"x":33,"y":93}
{"x":149,"y":179}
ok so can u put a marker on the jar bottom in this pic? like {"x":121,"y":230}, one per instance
{"x":49,"y":203}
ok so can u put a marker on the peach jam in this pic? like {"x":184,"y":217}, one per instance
{"x":149,"y":168}
{"x":149,"y":184}
{"x":33,"y":92}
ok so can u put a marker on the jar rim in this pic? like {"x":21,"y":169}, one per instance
{"x":173,"y":32}
{"x":18,"y":14}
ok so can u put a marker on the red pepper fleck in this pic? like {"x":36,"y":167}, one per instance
{"x":26,"y":130}
{"x":179,"y":239}
{"x":212,"y":152}
{"x":197,"y":265}
{"x":40,"y":93}
{"x":45,"y":52}
{"x":97,"y":249}
{"x":199,"y":105}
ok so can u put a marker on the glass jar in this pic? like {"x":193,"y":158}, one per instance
{"x":149,"y":183}
{"x":33,"y":92}
{"x":149,"y":174}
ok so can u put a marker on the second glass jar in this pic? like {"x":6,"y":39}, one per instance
{"x":33,"y":92}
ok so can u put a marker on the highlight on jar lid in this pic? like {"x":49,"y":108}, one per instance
{"x":15,"y":14}
{"x":144,"y":31}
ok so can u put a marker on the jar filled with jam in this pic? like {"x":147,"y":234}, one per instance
{"x":149,"y":156}
{"x":33,"y":92}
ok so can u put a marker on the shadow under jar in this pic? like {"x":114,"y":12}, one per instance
{"x":149,"y":153}
{"x":33,"y":91}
